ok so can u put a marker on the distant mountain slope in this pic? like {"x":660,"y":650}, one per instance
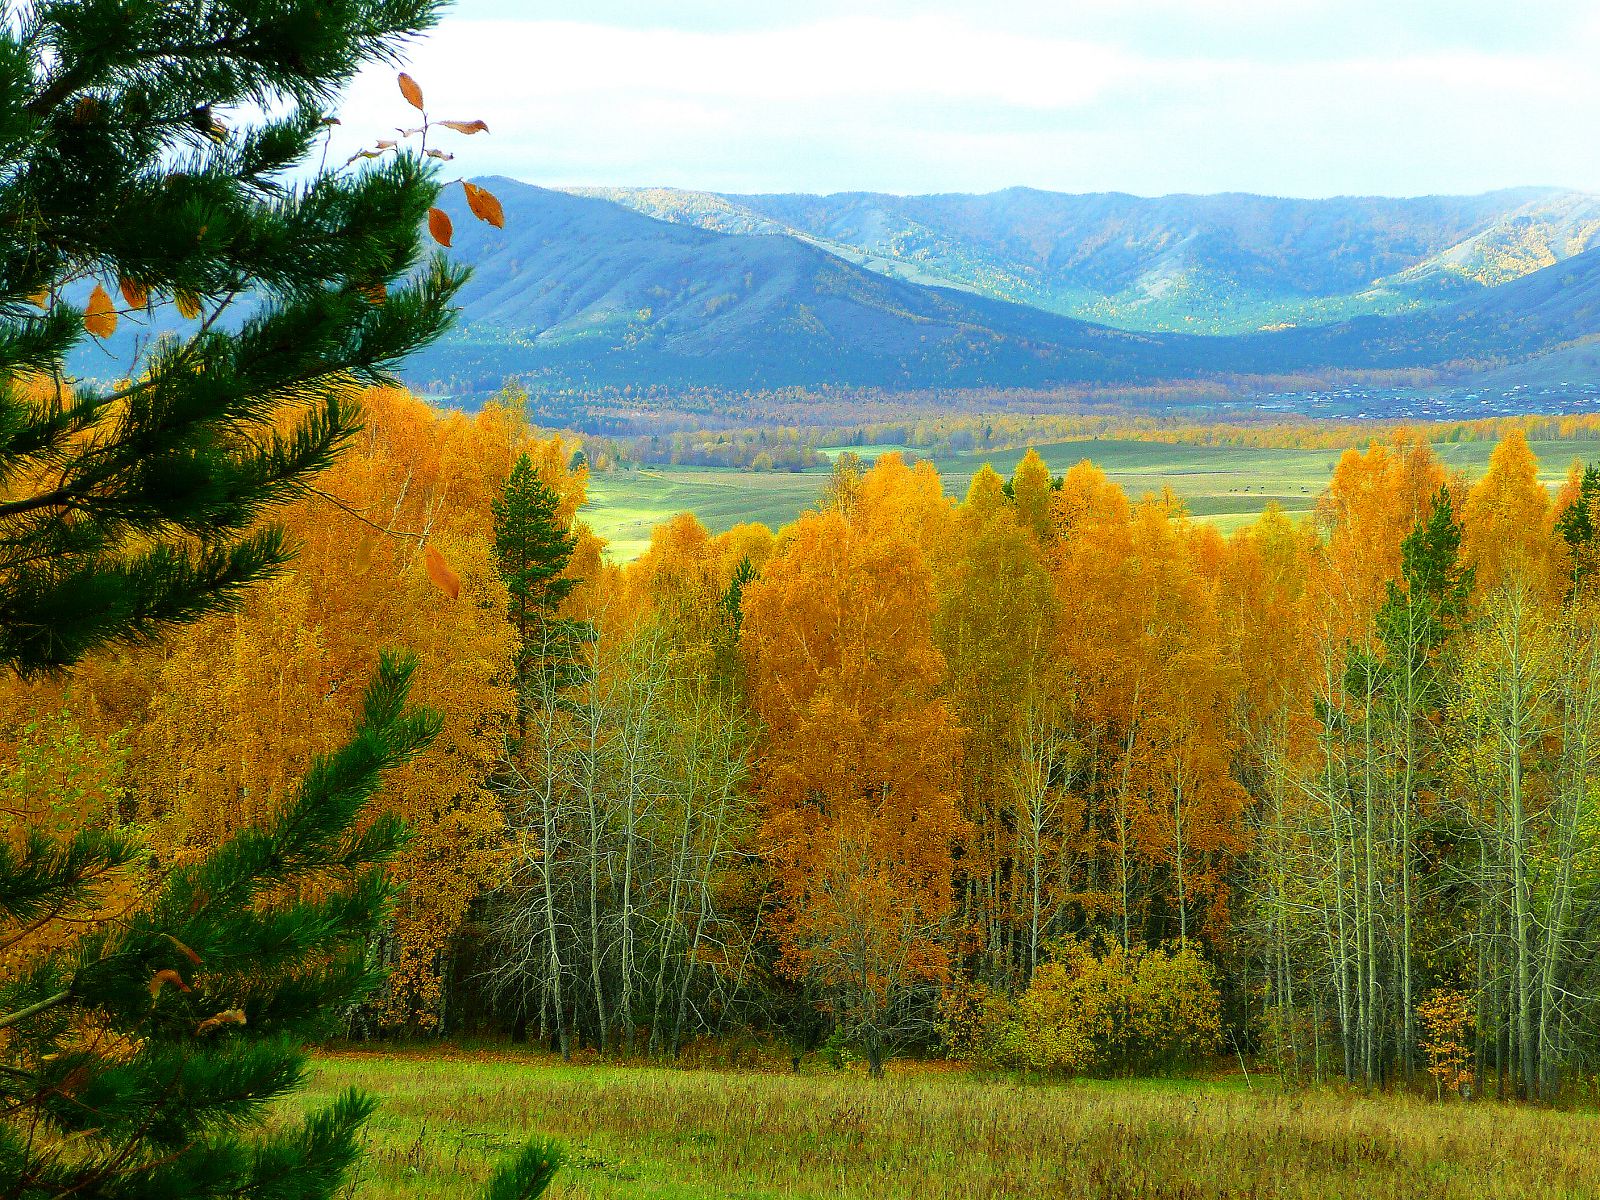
{"x":1548,"y":310}
{"x":1539,"y":234}
{"x":1203,"y":264}
{"x":580,"y":291}
{"x":586,"y":291}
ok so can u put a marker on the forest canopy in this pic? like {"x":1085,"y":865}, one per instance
{"x":918,"y":774}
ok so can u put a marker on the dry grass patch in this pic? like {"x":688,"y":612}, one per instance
{"x":648,"y":1132}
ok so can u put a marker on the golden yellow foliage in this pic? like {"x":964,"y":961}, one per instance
{"x":860,"y":754}
{"x":1117,"y":1010}
{"x":1505,"y":517}
{"x":224,"y":719}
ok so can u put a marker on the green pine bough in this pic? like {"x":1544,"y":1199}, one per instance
{"x":137,"y":1062}
{"x":144,"y":1058}
{"x":132,"y":506}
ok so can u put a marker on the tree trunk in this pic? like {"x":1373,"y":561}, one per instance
{"x":874,"y":1059}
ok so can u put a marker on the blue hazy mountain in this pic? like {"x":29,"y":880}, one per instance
{"x":582,"y":291}
{"x":1226,"y":263}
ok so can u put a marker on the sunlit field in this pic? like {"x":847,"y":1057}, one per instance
{"x":931,"y":1132}
{"x":1227,"y":485}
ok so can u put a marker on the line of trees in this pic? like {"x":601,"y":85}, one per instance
{"x":825,"y":782}
{"x":936,"y":430}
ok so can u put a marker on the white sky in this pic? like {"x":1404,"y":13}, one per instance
{"x":1287,"y":97}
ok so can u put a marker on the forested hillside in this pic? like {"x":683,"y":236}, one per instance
{"x":1227,"y":263}
{"x":578,"y":293}
{"x":1557,"y":307}
{"x":582,"y":291}
{"x":913,"y":774}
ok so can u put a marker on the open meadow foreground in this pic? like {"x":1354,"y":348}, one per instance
{"x":641,"y":1133}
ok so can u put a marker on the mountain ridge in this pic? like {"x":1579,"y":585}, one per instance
{"x":1206,"y":263}
{"x":579,"y":293}
{"x":582,"y":292}
{"x":593,"y":290}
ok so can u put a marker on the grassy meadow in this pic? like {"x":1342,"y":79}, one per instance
{"x":643,"y":1132}
{"x":1224,"y":484}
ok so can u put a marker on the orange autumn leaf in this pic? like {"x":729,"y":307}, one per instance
{"x":230,"y":1016}
{"x":485,"y":205}
{"x":137,"y":295}
{"x":439,"y":226}
{"x":445,"y":579}
{"x":40,"y":299}
{"x":188,"y":304}
{"x":100,"y":318}
{"x":162,"y":978}
{"x":183,"y":950}
{"x":410,"y":90}
{"x":467,"y":127}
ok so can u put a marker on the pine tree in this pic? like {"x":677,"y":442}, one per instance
{"x":137,"y":1057}
{"x":1419,"y":614}
{"x":532,"y":548}
{"x":135,"y":1061}
{"x":131,"y":168}
{"x":732,"y":599}
{"x":1576,"y":526}
{"x":1436,"y":587}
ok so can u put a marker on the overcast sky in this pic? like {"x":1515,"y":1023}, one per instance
{"x":1286,"y":97}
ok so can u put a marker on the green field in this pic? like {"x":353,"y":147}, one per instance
{"x":1224,"y":484}
{"x":662,"y":1134}
{"x":624,"y":506}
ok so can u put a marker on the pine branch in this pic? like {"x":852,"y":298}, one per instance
{"x":33,"y":1010}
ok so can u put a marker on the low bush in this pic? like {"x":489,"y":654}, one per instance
{"x":1101,"y":1010}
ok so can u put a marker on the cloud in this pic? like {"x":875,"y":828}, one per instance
{"x":856,"y":57}
{"x":936,"y":101}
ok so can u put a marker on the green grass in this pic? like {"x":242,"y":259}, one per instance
{"x":624,"y":506}
{"x":1227,"y":485}
{"x":637,"y":1132}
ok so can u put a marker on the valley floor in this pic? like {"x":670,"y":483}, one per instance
{"x":637,"y":1132}
{"x":1226,"y":485}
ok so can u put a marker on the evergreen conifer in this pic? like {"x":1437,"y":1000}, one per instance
{"x":130,"y":168}
{"x":136,"y":1058}
{"x":532,"y":548}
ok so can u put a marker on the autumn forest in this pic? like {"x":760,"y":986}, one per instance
{"x":1052,"y":778}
